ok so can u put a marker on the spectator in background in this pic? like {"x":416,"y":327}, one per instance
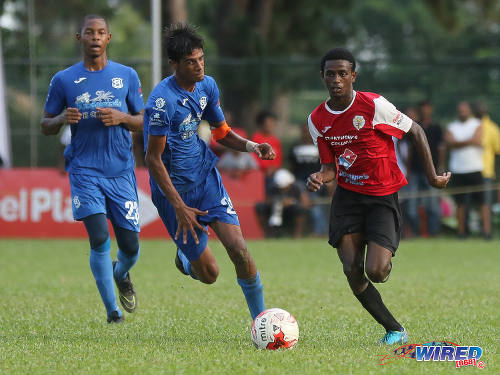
{"x":464,"y":139}
{"x":266,"y":125}
{"x":285,"y":206}
{"x":235,"y":163}
{"x":491,"y":148}
{"x":304,"y":160}
{"x":417,"y":180}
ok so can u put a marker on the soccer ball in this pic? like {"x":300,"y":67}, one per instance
{"x":274,"y":329}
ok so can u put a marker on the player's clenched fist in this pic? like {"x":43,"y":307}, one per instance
{"x":314,"y":181}
{"x":264,"y":151}
{"x":440,"y":182}
{"x":72,"y":115}
{"x":110,"y":116}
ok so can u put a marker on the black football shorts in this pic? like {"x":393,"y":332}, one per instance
{"x":377,"y":217}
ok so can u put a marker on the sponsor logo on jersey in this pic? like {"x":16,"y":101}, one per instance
{"x":203,"y":102}
{"x":347,"y":159}
{"x":84,"y":98}
{"x":189,"y":126}
{"x":358,"y":121}
{"x":354,"y":179}
{"x":159,"y":103}
{"x":103,"y":99}
{"x":76,"y":202}
{"x":341,"y":140}
{"x":397,"y":120}
{"x":117,"y":82}
{"x":78,"y":80}
{"x":102,"y":96}
{"x":325,"y":129}
{"x":155,"y":119}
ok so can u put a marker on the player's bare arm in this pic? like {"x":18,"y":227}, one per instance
{"x":186,"y":216}
{"x":112,"y":117}
{"x":51,"y":124}
{"x":232,"y":140}
{"x":326,"y":174}
{"x":420,"y":142}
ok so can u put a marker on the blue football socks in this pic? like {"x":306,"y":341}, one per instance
{"x":102,"y":269}
{"x":186,"y":264}
{"x":253,"y":291}
{"x":124,"y":264}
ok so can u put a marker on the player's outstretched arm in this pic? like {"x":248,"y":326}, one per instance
{"x":112,"y":117}
{"x":186,"y":216}
{"x":420,"y":142}
{"x":326,"y":174}
{"x":51,"y":124}
{"x":228,"y":138}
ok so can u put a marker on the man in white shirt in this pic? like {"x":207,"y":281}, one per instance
{"x":463,"y":138}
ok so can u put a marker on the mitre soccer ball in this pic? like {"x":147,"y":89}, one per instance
{"x":274,"y":329}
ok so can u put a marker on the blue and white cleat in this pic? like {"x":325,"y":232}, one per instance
{"x":394,"y":337}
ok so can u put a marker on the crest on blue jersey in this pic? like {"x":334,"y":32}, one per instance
{"x":76,"y":202}
{"x":203,"y":102}
{"x":117,"y":82}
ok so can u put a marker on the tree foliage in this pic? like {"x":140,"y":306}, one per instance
{"x":264,"y":50}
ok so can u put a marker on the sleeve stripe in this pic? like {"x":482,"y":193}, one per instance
{"x":313,"y":131}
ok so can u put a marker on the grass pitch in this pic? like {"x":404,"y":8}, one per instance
{"x":52,"y":320}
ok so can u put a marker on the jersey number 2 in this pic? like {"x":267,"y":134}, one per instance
{"x":227,"y":202}
{"x":133,"y":212}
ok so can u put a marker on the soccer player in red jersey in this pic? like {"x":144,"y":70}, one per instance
{"x":353,"y":131}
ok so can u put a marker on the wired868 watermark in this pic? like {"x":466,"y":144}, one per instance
{"x":437,"y":351}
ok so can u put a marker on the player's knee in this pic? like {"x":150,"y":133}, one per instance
{"x":209,"y":274}
{"x":128,"y":240}
{"x":376,"y":274}
{"x":97,"y":230}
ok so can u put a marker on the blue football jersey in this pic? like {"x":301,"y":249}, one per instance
{"x":177,"y":113}
{"x":96,"y":149}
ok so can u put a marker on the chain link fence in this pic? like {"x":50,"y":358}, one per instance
{"x":296,"y":81}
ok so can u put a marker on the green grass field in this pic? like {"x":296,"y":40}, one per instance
{"x":52,"y":320}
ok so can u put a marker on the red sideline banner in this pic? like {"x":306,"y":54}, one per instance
{"x":36,"y":203}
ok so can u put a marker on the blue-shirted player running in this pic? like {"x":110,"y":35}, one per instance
{"x":185,"y":185}
{"x":102,"y":101}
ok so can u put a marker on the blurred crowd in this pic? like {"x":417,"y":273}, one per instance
{"x":288,"y":209}
{"x":467,"y":147}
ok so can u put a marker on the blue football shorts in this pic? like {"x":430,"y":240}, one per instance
{"x":114,"y":196}
{"x":209,"y":196}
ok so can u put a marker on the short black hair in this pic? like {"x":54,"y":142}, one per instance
{"x":339,"y":53}
{"x":92,"y":17}
{"x":180,"y":40}
{"x":263,"y":115}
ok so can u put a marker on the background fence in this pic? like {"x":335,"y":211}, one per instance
{"x":292,"y":87}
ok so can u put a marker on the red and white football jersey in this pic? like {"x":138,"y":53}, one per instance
{"x":359,"y":140}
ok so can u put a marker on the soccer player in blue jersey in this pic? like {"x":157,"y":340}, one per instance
{"x":102,"y":101}
{"x":185,"y":185}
